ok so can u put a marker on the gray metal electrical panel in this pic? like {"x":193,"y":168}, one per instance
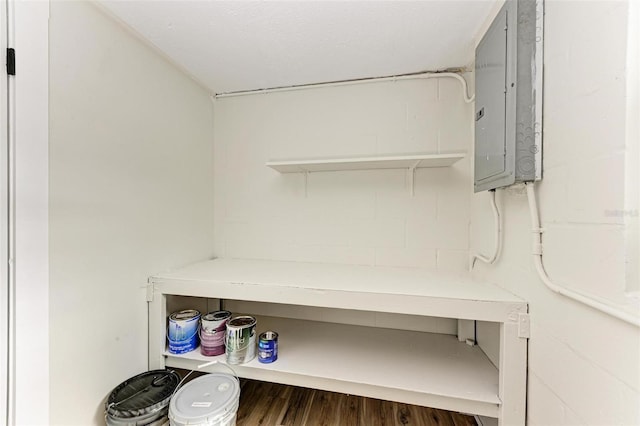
{"x":508,"y":113}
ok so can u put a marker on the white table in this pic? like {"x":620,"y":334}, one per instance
{"x":433,"y":370}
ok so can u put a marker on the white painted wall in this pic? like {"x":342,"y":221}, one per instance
{"x":584,"y":367}
{"x":632,"y":157}
{"x":130,"y":195}
{"x":29,"y":403}
{"x":5,"y":282}
{"x":359,"y":217}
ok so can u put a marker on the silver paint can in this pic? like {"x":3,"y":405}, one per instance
{"x":240,"y":339}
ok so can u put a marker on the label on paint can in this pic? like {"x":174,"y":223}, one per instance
{"x":183,"y":331}
{"x":268,"y":347}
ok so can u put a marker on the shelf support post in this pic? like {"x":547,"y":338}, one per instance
{"x":466,"y":331}
{"x":157,"y":329}
{"x":512,"y":387}
{"x":149,"y":290}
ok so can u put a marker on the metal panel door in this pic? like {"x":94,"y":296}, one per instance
{"x":491,"y":75}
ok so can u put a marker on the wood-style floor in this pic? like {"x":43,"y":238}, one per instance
{"x":270,"y":404}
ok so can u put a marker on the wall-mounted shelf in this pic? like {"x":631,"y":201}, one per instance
{"x":413,"y":161}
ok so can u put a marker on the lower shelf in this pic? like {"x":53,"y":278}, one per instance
{"x":264,"y":403}
{"x":426,"y":369}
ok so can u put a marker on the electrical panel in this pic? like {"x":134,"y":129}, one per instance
{"x":508,"y":113}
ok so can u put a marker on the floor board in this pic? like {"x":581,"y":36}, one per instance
{"x":269,"y":404}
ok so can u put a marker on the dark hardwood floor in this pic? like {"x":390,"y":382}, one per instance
{"x":270,"y":404}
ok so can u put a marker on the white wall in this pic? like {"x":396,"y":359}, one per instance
{"x":130,"y":195}
{"x":30,"y":403}
{"x":632,"y":158}
{"x":360,"y":217}
{"x":5,"y":382}
{"x":584,"y":367}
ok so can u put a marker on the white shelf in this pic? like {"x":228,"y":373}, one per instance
{"x":421,"y":368}
{"x":433,"y":370}
{"x":366,"y":163}
{"x":380,"y":289}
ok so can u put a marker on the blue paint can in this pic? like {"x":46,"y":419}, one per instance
{"x":268,"y":347}
{"x":183,"y":331}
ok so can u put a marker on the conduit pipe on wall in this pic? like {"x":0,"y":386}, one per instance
{"x":572,"y":294}
{"x":498,"y":235}
{"x":419,"y":76}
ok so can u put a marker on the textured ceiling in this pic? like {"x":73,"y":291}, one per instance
{"x":236,"y":45}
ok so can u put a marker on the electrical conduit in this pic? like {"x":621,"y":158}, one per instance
{"x":571,"y":294}
{"x":419,"y":76}
{"x":498,"y":235}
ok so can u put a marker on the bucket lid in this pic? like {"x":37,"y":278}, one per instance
{"x":142,"y":395}
{"x":204,"y":399}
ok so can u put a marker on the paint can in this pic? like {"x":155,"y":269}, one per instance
{"x":268,"y":347}
{"x":183,"y":331}
{"x":240,"y":339}
{"x":209,"y":400}
{"x":142,"y":399}
{"x":212,"y":332}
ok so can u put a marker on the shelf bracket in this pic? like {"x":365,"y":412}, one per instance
{"x":411,"y":175}
{"x":306,"y":183}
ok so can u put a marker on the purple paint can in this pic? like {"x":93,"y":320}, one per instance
{"x":213,"y":327}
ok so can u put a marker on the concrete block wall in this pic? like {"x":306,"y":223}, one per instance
{"x":584,"y":366}
{"x":357,"y":217}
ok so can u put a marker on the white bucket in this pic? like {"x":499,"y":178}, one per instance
{"x":209,"y":400}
